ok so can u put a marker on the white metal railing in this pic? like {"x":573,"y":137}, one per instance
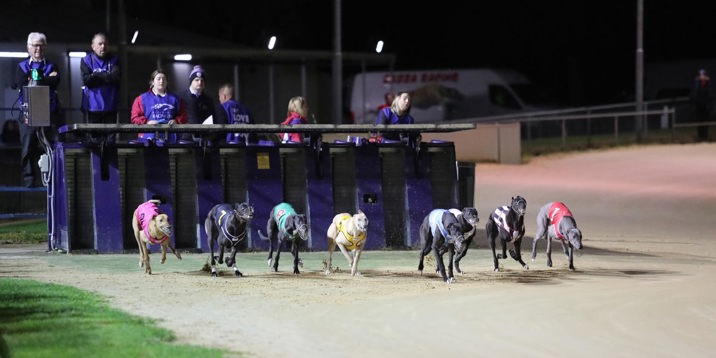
{"x":671,"y":113}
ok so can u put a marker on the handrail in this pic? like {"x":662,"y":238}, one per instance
{"x":261,"y":128}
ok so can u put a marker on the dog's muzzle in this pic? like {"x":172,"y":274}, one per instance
{"x":519,"y":205}
{"x":166,"y":230}
{"x":302,"y":232}
{"x":574,"y":237}
{"x":362,"y":226}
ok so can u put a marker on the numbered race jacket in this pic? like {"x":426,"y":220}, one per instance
{"x":557,"y":211}
{"x":145,"y":213}
{"x":499,"y":216}
{"x":354,"y":240}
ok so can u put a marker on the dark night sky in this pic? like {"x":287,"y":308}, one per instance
{"x":582,"y":50}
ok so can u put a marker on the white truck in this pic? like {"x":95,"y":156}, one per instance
{"x":443,"y":94}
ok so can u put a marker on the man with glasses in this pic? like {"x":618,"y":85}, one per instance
{"x":36,"y":70}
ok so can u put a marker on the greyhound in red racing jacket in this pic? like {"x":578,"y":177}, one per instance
{"x":556,"y":222}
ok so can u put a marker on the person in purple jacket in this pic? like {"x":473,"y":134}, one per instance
{"x":397,"y":113}
{"x":100,"y":79}
{"x":36,"y":70}
{"x":237,"y":114}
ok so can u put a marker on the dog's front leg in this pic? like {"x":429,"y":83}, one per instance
{"x":451,"y":257}
{"x":221,"y":253}
{"x":346,"y":254}
{"x":516,"y":254}
{"x":569,"y":252}
{"x":549,"y":251}
{"x":164,"y":252}
{"x":459,"y":257}
{"x":356,"y":257}
{"x":503,"y":246}
{"x":231,"y":261}
{"x":174,"y":251}
{"x":565,"y":247}
{"x":294,"y":251}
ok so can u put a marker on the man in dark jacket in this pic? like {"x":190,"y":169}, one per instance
{"x":199,"y":105}
{"x":101,"y":78}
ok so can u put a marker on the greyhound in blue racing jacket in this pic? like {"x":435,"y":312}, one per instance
{"x":440,"y":232}
{"x":556,"y":222}
{"x":468,"y":219}
{"x":507,"y":223}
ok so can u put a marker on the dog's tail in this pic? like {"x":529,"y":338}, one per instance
{"x":262,"y":236}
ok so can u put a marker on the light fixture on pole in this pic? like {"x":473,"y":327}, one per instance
{"x":272,"y":43}
{"x":182,"y":57}
{"x":379,"y":46}
{"x":11,"y":54}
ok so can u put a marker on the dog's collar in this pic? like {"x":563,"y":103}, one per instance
{"x":157,"y":241}
{"x":290,"y":236}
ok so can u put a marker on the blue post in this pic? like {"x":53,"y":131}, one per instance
{"x":369,"y":191}
{"x":108,"y":236}
{"x":320,"y":195}
{"x":263,"y":171}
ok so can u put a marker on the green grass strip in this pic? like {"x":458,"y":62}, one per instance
{"x":47,"y":320}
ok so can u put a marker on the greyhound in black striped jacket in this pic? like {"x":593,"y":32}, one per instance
{"x":225,"y":226}
{"x":507,"y":223}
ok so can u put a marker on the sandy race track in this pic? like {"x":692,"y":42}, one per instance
{"x":643,"y":286}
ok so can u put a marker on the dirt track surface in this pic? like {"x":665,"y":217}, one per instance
{"x":644,"y":284}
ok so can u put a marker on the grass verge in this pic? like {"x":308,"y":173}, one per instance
{"x":23,"y":232}
{"x":48,"y":320}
